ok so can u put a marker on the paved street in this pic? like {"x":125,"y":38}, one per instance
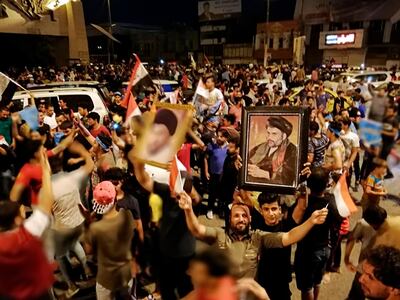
{"x":339,"y":285}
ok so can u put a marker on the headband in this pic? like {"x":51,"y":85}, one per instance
{"x":335,"y":131}
{"x":102,"y":145}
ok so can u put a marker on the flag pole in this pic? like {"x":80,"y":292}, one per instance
{"x":16,"y":83}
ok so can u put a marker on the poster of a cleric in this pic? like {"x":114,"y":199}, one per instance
{"x":273,"y":148}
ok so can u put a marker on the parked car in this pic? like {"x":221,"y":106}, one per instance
{"x":329,"y":105}
{"x":396,"y":89}
{"x":73,"y":96}
{"x":101,"y":87}
{"x":280,"y":83}
{"x":373,"y":77}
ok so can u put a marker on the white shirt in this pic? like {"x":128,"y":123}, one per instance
{"x":37,"y":223}
{"x":51,"y":121}
{"x":214,"y":96}
{"x":350,"y":140}
{"x":67,"y":198}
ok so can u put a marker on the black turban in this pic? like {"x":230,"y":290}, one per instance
{"x":167,"y":118}
{"x":281,"y":123}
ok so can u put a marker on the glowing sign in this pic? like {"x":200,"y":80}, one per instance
{"x":340,"y":39}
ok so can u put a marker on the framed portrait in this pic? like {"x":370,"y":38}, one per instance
{"x":164,"y":132}
{"x":274,"y":146}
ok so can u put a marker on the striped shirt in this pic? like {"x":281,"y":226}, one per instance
{"x":317,"y":146}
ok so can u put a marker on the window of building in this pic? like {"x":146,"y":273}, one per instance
{"x":280,"y":43}
{"x":333,"y":26}
{"x":356,"y":25}
{"x":395,"y":35}
{"x":271,"y":43}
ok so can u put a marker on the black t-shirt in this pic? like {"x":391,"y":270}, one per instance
{"x":175,"y":238}
{"x":130,"y":203}
{"x":118,"y":109}
{"x":388,"y":124}
{"x":319,"y":235}
{"x":274,"y":266}
{"x":229,"y":178}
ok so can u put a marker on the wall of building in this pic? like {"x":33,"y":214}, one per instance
{"x":15,"y":22}
{"x":278,"y":38}
{"x":236,"y":54}
{"x":351,"y":57}
{"x":47,"y":37}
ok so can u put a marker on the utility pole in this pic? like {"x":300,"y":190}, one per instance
{"x":110,"y":42}
{"x":266,"y":43}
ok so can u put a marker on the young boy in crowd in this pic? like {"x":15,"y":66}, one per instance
{"x":373,"y":186}
{"x":213,"y":167}
{"x":229,"y":176}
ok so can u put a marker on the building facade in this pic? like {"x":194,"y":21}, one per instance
{"x":348,"y":33}
{"x":274,"y":41}
{"x":152,"y":43}
{"x":58,"y":36}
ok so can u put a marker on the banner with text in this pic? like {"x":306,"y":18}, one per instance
{"x":218,"y":9}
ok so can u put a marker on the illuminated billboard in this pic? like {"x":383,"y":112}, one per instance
{"x":340,"y":39}
{"x":214,"y":10}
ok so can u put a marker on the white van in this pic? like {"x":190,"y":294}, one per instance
{"x":375,"y":78}
{"x":73,"y":96}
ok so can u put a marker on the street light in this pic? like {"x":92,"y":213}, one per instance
{"x":266,"y":43}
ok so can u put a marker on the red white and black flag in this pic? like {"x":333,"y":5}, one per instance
{"x":7,"y":89}
{"x":140,"y":81}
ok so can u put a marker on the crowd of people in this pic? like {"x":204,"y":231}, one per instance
{"x":77,"y":203}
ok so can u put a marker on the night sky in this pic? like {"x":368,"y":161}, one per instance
{"x":163,"y":12}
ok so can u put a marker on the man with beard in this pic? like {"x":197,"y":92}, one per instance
{"x":243,"y":244}
{"x":274,"y":161}
{"x":380,"y":274}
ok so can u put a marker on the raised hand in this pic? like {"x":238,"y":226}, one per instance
{"x":319,"y":216}
{"x":184,"y":201}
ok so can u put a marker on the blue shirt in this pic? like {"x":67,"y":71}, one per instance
{"x":216,"y":158}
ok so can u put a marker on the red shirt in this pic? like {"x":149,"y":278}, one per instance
{"x":101,"y":129}
{"x":184,"y":156}
{"x":25,"y":272}
{"x":237,"y":112}
{"x":30,"y":176}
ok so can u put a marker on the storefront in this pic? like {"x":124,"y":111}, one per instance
{"x":343,"y":47}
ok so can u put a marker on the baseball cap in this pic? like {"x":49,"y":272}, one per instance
{"x":103,"y":197}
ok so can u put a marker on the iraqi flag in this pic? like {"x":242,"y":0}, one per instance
{"x":200,"y":98}
{"x":7,"y":89}
{"x":132,"y":109}
{"x":175,"y":178}
{"x":344,"y":202}
{"x":139,"y":81}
